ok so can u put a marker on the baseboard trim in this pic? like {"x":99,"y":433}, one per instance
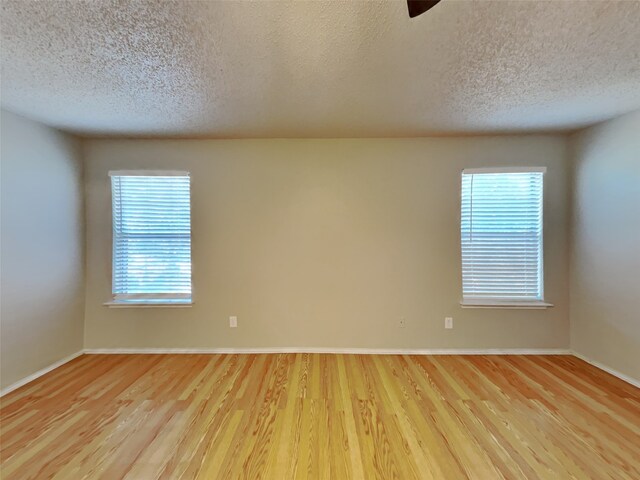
{"x":329,"y":350}
{"x":601,"y":366}
{"x":39,"y":373}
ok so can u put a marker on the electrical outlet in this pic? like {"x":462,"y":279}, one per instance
{"x":448,"y":322}
{"x":233,"y":322}
{"x":402,"y":323}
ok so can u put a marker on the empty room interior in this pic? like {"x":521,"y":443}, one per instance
{"x":328,"y":239}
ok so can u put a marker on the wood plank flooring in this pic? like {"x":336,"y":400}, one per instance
{"x":312,"y":416}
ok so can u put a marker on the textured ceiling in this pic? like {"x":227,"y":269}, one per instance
{"x":319,"y":68}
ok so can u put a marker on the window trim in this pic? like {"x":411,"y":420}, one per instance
{"x":149,"y":173}
{"x":485,"y":303}
{"x":155,"y":300}
{"x":469,"y":171}
{"x":497,"y":303}
{"x":114,"y":304}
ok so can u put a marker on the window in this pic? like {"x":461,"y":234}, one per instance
{"x":501,"y":235}
{"x":151,"y":237}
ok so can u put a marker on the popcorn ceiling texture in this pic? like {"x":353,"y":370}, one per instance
{"x":318,"y":68}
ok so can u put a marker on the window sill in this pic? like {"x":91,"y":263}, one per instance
{"x":148,"y":304}
{"x":541,"y":305}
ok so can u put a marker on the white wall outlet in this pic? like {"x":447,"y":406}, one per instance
{"x":448,"y":322}
{"x":402,"y":323}
{"x":233,"y":322}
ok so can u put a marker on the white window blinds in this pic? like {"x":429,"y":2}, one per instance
{"x":501,"y":232}
{"x":151,"y":237}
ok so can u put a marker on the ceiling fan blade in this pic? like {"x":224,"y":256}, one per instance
{"x":417,"y":7}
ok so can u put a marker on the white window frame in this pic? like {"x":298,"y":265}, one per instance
{"x":496,"y":302}
{"x":148,"y":300}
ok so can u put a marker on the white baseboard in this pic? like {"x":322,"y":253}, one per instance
{"x":615,"y":373}
{"x":39,"y":373}
{"x":353,"y":351}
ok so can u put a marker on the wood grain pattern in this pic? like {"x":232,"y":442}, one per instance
{"x":313,"y":416}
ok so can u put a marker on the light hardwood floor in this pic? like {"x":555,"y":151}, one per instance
{"x":322,"y":416}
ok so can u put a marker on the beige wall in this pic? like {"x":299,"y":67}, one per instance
{"x":42,"y":284}
{"x":605,"y":277}
{"x":325,"y":243}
